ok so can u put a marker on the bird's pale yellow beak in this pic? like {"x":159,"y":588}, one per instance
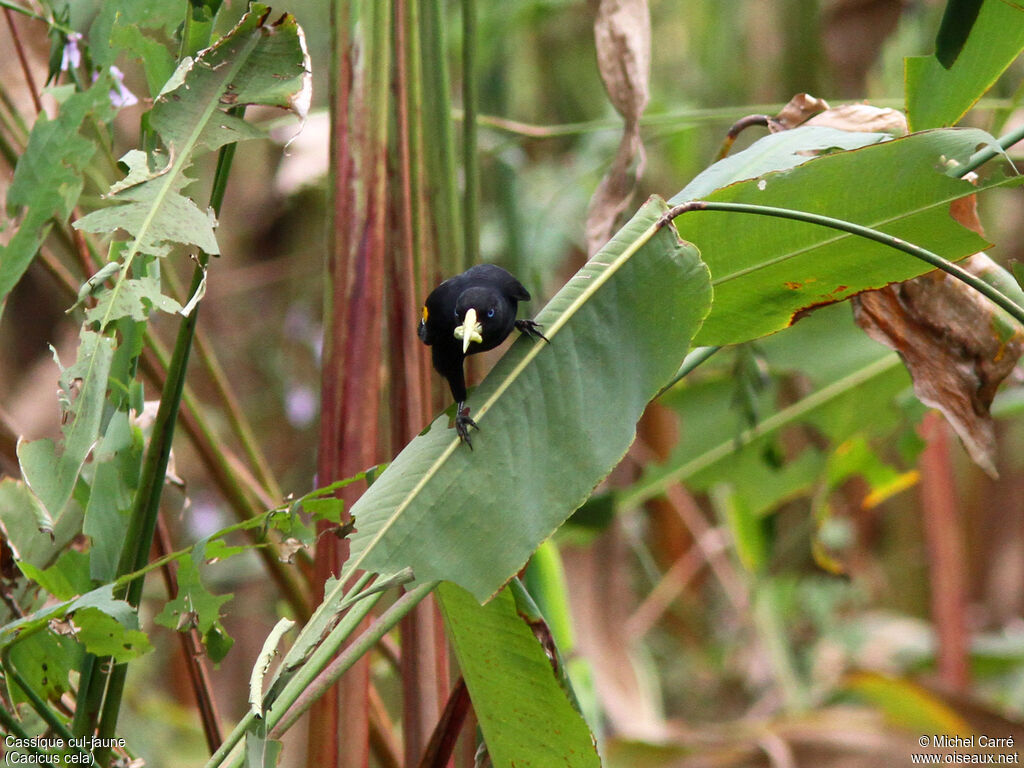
{"x":469,"y":331}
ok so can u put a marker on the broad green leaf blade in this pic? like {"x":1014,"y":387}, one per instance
{"x":957,"y":23}
{"x":938,"y":95}
{"x":768,"y":272}
{"x":66,"y":578}
{"x":101,"y":598}
{"x":103,"y":635}
{"x":44,"y":660}
{"x":554,"y":419}
{"x":776,"y":152}
{"x":525,"y":716}
{"x":20,"y":513}
{"x":194,"y":606}
{"x":137,"y":297}
{"x":52,"y":473}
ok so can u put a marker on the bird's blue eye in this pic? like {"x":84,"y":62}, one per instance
{"x":490,"y":312}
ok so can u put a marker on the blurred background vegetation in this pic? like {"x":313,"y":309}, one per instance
{"x":816,"y":659}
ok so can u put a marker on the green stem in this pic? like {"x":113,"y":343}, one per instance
{"x":13,"y":727}
{"x":990,"y":292}
{"x":50,"y":717}
{"x":985,"y":154}
{"x":139,"y":537}
{"x":141,"y":528}
{"x":319,"y":672}
{"x":300,"y":693}
{"x":470,"y":159}
{"x":31,"y":14}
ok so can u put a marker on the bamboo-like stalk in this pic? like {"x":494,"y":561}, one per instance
{"x":470,"y":160}
{"x":353,"y":318}
{"x":439,"y":140}
{"x":947,"y":557}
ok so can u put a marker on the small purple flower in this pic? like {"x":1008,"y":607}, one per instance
{"x":120,"y":96}
{"x":71,"y":58}
{"x":300,"y":406}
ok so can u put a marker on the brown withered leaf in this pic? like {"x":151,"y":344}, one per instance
{"x":622,"y":34}
{"x":956,"y":344}
{"x":64,"y":627}
{"x":862,"y":117}
{"x":288,"y":549}
{"x":800,"y":108}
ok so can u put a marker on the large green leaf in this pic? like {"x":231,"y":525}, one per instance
{"x":554,"y":419}
{"x":768,"y":272}
{"x":775,"y":152}
{"x":49,"y":470}
{"x":938,"y":95}
{"x":524,"y":713}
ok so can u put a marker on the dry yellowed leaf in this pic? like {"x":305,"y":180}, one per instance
{"x":956,"y":345}
{"x":862,"y":117}
{"x":800,"y":108}
{"x":622,"y":34}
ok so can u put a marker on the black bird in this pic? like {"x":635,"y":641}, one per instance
{"x":471,"y":313}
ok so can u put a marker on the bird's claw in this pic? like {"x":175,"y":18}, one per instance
{"x":462,"y":425}
{"x":531,"y":329}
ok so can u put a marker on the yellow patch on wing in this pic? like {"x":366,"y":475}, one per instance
{"x":425,"y":313}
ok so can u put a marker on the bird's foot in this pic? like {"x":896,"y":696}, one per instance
{"x":462,"y":425}
{"x":531,"y":329}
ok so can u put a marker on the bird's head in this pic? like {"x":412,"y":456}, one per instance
{"x":475,"y":311}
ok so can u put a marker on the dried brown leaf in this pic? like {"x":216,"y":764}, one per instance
{"x":862,"y":117}
{"x":622,"y":34}
{"x":956,"y":345}
{"x":799,"y":109}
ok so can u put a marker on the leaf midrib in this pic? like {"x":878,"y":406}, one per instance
{"x":179,"y":166}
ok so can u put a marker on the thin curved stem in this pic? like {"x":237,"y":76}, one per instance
{"x":985,"y":154}
{"x":990,"y":292}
